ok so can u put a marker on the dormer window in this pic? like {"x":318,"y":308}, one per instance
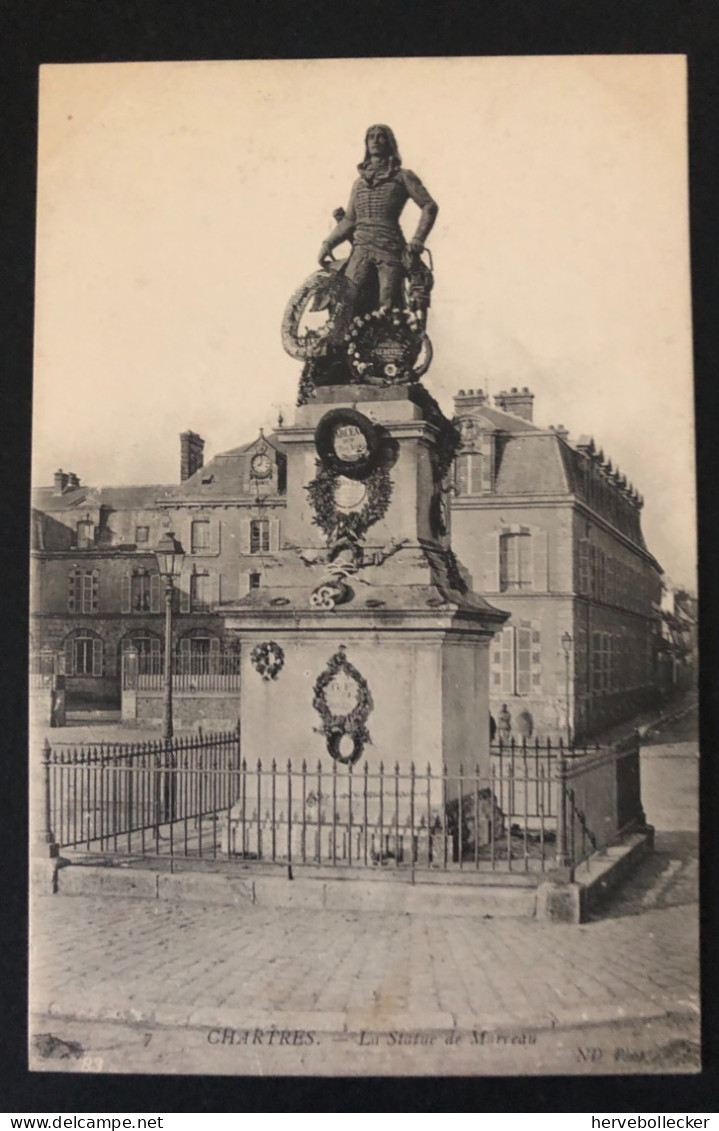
{"x":85,"y":533}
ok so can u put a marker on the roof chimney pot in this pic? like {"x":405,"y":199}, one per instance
{"x":59,"y":482}
{"x":518,"y":403}
{"x":192,"y":448}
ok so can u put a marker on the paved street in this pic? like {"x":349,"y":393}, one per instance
{"x":246,"y":989}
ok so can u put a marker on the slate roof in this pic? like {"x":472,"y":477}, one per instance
{"x":530,"y":465}
{"x":116,"y":498}
{"x":224,"y":470}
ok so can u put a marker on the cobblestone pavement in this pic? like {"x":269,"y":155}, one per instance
{"x":207,"y":969}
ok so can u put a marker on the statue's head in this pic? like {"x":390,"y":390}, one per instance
{"x":379,"y":141}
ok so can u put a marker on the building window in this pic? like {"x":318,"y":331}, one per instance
{"x":143,"y":645}
{"x":515,"y":562}
{"x":200,"y":592}
{"x":85,"y":534}
{"x":200,"y":535}
{"x":516,"y":660}
{"x":83,"y":591}
{"x":84,"y":655}
{"x":141,"y":592}
{"x":142,"y":534}
{"x":468,"y":477}
{"x":140,"y":599}
{"x":199,"y":655}
{"x":255,"y":580}
{"x":259,"y":536}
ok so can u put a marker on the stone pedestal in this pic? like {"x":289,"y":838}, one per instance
{"x":411,"y":630}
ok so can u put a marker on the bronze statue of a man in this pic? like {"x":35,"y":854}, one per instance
{"x":372,"y":219}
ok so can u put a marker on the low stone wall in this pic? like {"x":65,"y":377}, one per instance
{"x":215,"y":711}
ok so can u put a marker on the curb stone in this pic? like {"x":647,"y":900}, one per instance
{"x":169,"y":1016}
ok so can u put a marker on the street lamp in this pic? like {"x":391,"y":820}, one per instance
{"x":567,"y":646}
{"x":170,"y":556}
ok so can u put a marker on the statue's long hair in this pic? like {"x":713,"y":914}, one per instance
{"x":395,"y":159}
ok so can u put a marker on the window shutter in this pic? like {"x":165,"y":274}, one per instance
{"x":185,"y":651}
{"x":97,"y":650}
{"x":486,"y":459}
{"x":524,"y":658}
{"x":507,"y":661}
{"x":540,"y":561}
{"x":155,"y":595}
{"x":245,"y":536}
{"x":69,"y":657}
{"x":214,"y":535}
{"x":461,"y":477}
{"x":491,"y":562}
{"x":126,"y":599}
{"x":72,"y":591}
{"x":215,"y":589}
{"x":274,"y":534}
{"x":536,"y":662}
{"x":185,"y":582}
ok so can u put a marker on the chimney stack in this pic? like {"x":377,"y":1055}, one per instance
{"x":191,"y":458}
{"x":517,"y":401}
{"x":73,"y":482}
{"x":59,"y":482}
{"x":470,"y":398}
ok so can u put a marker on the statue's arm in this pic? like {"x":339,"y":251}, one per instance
{"x":428,"y":208}
{"x":342,"y":232}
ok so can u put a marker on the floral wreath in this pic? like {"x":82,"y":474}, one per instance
{"x":268,"y":659}
{"x":335,"y":523}
{"x":406,"y":328}
{"x":335,"y":727}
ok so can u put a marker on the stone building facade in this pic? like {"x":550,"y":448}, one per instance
{"x":551,"y":532}
{"x":548,"y":531}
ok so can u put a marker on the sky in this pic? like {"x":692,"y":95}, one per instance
{"x":180,"y":205}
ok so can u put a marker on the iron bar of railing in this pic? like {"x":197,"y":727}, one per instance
{"x":562,"y":814}
{"x":411,"y":823}
{"x":444,"y":816}
{"x":349,"y":815}
{"x":397,"y":850}
{"x":334,"y":812}
{"x":303,"y":842}
{"x":318,"y":840}
{"x":365,"y":814}
{"x":289,"y":816}
{"x":381,"y":814}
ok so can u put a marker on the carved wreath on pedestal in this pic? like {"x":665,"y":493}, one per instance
{"x":268,"y":659}
{"x":344,"y":701}
{"x":332,"y":520}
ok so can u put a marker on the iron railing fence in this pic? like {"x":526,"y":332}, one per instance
{"x":43,"y":668}
{"x":602,"y":800}
{"x":206,"y":672}
{"x":197,"y":798}
{"x":100,"y":793}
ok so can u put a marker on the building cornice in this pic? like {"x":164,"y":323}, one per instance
{"x":502,"y":502}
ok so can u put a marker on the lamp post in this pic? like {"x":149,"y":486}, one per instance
{"x":567,"y":646}
{"x":170,"y":556}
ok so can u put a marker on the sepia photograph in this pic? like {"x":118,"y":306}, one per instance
{"x":364,"y":625}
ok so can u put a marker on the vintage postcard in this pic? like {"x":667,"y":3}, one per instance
{"x":364,"y":622}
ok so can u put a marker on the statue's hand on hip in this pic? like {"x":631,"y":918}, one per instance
{"x":325,"y":256}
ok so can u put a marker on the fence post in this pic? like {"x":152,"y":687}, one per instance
{"x":562,"y":855}
{"x":44,"y":838}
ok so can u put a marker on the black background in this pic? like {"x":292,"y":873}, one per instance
{"x":56,"y":31}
